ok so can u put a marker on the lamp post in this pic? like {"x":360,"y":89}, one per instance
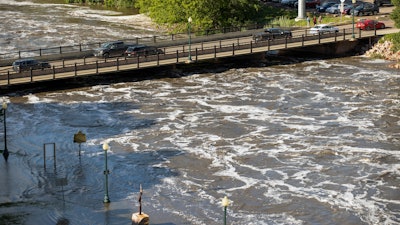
{"x":5,"y":152}
{"x":190,"y":37}
{"x":353,"y":2}
{"x":225,"y":203}
{"x":106,"y":172}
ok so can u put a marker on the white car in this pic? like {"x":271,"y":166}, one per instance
{"x":323,"y":28}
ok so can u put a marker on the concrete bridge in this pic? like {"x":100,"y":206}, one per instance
{"x":202,"y":50}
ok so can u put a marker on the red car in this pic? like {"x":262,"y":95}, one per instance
{"x":369,"y":25}
{"x":312,"y":3}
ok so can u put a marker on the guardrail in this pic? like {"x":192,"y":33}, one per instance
{"x":154,"y":40}
{"x":173,"y":55}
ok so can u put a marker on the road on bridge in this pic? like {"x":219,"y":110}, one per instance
{"x":179,"y":54}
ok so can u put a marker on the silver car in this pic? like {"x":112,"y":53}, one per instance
{"x":323,"y":28}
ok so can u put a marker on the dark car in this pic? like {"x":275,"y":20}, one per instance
{"x":142,"y":50}
{"x":109,"y":49}
{"x":309,"y":3}
{"x":324,"y":6}
{"x":312,"y":3}
{"x":272,"y":33}
{"x":366,"y":9}
{"x":29,"y":64}
{"x":288,"y":2}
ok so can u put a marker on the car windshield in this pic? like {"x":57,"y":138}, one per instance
{"x":106,"y":45}
{"x":274,"y":30}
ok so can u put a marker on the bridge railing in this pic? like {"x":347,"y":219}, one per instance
{"x":177,"y":54}
{"x":155,"y":39}
{"x":159,"y":41}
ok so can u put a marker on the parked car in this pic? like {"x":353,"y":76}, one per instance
{"x":323,"y":28}
{"x":366,"y":8}
{"x":29,"y":64}
{"x":347,"y":9}
{"x":109,"y":49}
{"x":272,"y":33}
{"x":324,"y":6}
{"x":309,"y":3}
{"x":333,"y":9}
{"x":288,"y":2}
{"x":370,"y":25}
{"x":312,"y":3}
{"x":142,"y":50}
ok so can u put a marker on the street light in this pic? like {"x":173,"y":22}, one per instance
{"x":106,"y":172}
{"x":225,"y":203}
{"x":354,"y":2}
{"x":190,"y":37}
{"x":5,"y":152}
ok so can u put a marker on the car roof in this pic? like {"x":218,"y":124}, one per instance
{"x":137,"y":46}
{"x":23,"y":60}
{"x":115,"y":42}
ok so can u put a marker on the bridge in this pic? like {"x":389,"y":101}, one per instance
{"x":215,"y":47}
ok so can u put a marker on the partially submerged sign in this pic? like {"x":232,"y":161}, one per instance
{"x":79,"y":137}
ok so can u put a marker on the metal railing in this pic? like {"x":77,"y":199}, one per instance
{"x":154,"y":40}
{"x":176,"y":54}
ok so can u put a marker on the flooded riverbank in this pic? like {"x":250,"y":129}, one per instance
{"x":312,"y":142}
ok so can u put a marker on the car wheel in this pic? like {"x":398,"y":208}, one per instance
{"x":106,"y":55}
{"x":383,"y":26}
{"x":367,"y":28}
{"x":360,"y":14}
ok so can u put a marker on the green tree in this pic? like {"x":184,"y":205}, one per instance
{"x":205,"y":14}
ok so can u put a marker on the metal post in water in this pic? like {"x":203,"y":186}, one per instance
{"x":225,"y":203}
{"x":106,"y":172}
{"x":140,"y":218}
{"x":5,"y":152}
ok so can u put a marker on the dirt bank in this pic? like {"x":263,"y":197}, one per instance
{"x":384,"y":50}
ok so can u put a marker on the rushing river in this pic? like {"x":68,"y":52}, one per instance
{"x":314,"y":142}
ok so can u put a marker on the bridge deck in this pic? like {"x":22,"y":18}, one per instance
{"x":176,"y":54}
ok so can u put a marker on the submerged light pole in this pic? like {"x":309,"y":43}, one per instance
{"x":190,"y":37}
{"x":225,"y":203}
{"x":3,"y":111}
{"x":106,"y":172}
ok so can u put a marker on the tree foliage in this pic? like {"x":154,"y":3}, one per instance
{"x":205,"y":14}
{"x":395,"y":15}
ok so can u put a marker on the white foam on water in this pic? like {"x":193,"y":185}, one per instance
{"x":174,"y":121}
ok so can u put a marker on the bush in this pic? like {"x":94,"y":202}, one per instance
{"x":395,"y":39}
{"x":283,"y":21}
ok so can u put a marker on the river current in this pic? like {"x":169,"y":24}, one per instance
{"x":313,"y":142}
